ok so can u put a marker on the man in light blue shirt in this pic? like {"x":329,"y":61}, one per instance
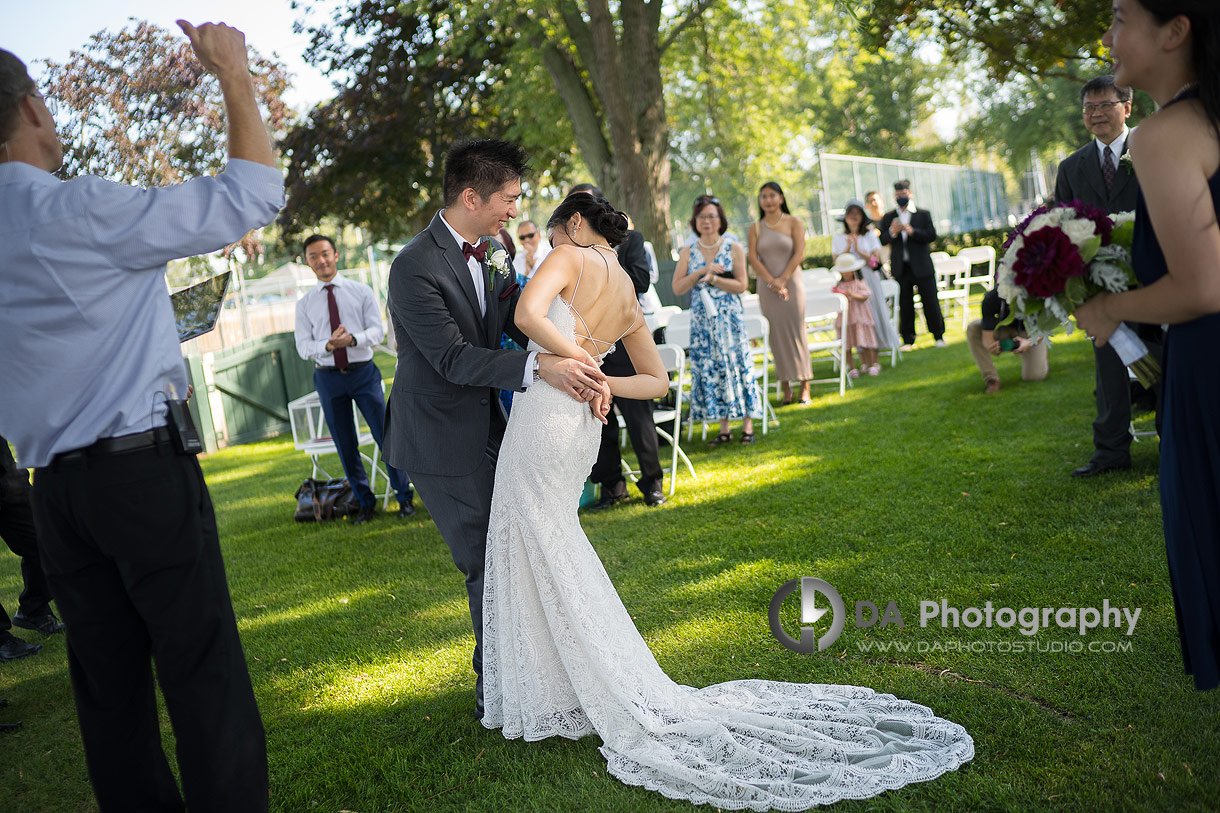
{"x":337,"y":325}
{"x":125,"y":522}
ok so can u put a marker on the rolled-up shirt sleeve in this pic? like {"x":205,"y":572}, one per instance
{"x":146,"y":228}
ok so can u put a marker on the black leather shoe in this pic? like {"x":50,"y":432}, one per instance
{"x":654,"y":498}
{"x":12,"y":648}
{"x":47,"y":624}
{"x":365,"y":514}
{"x":406,"y":509}
{"x":611,"y":496}
{"x":1091,"y":469}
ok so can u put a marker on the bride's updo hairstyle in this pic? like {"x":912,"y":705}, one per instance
{"x":596,"y":211}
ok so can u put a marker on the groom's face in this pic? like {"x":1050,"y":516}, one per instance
{"x":496,"y":211}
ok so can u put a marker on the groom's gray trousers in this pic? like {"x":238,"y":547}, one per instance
{"x":460,"y":507}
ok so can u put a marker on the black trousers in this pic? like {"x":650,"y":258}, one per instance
{"x":608,"y":469}
{"x":906,"y":307}
{"x":637,"y":415}
{"x":130,"y":548}
{"x":1112,"y":394}
{"x":17,"y":531}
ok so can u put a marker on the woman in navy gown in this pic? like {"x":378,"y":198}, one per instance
{"x":1170,"y":48}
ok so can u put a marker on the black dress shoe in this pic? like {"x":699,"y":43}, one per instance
{"x":12,"y":648}
{"x":406,"y":509}
{"x":366,"y":513}
{"x":1091,"y":468}
{"x":611,"y":496}
{"x":47,"y":624}
{"x":654,"y":498}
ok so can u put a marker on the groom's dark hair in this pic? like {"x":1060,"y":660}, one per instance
{"x":484,"y":165}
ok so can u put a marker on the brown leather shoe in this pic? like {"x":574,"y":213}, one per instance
{"x":991,"y":386}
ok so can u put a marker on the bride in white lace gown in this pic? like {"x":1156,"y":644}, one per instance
{"x":561,"y":655}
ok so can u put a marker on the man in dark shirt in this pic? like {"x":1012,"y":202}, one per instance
{"x":986,"y":337}
{"x":637,"y":415}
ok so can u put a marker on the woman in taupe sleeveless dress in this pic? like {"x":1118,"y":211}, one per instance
{"x":776,"y":248}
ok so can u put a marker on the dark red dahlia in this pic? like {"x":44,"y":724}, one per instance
{"x":1046,"y":262}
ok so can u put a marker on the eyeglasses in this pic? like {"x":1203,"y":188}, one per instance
{"x":1092,"y":108}
{"x":529,"y":236}
{"x":51,"y":105}
{"x":708,"y":217}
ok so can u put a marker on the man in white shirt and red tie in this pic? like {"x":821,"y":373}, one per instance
{"x":337,"y":325}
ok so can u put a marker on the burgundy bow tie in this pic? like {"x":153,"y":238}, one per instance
{"x":478,"y":252}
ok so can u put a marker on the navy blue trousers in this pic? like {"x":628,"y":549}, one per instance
{"x":338,"y":391}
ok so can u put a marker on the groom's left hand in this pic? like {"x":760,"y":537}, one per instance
{"x":569,"y":375}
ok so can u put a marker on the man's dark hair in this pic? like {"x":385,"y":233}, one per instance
{"x":1099,"y":84}
{"x":485,"y":166}
{"x":870,"y":193}
{"x":15,"y":85}
{"x":589,"y":188}
{"x":317,"y":238}
{"x":902,"y":186}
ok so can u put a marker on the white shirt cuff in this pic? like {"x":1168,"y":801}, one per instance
{"x":529,"y":369}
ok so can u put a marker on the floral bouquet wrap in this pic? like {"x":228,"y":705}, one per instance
{"x":1061,"y":256}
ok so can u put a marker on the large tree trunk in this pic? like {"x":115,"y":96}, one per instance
{"x":617,"y":105}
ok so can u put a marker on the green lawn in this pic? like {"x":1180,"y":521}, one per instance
{"x":914,"y":486}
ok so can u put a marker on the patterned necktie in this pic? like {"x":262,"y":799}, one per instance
{"x":478,"y":252}
{"x":333,"y":306}
{"x":1107,"y":167}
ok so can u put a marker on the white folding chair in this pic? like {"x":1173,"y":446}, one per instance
{"x":758,"y":329}
{"x":890,"y":289}
{"x":973,"y":256}
{"x":937,"y":256}
{"x":661,"y":317}
{"x":821,"y":310}
{"x":674,"y":359}
{"x":311,"y":436}
{"x":819,"y":279}
{"x":677,"y":329}
{"x":951,"y":284}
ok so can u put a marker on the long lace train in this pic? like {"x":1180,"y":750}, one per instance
{"x":562,"y":657}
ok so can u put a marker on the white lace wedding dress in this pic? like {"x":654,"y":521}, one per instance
{"x":561,"y":656}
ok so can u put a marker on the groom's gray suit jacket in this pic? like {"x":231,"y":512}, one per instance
{"x":439,"y":418}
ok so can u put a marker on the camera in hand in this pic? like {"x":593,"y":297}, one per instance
{"x":1008,"y":345}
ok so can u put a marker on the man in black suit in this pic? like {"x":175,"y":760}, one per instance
{"x":911,"y":233}
{"x":637,"y":415}
{"x":17,"y":531}
{"x":1093,"y":175}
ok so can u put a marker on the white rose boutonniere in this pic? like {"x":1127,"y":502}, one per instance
{"x":497,"y":264}
{"x":1124,"y":161}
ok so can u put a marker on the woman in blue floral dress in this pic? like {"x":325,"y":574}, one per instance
{"x":713,"y":270}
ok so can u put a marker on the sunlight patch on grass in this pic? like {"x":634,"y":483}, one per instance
{"x":322,"y":607}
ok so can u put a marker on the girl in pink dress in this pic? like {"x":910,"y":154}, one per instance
{"x":860,"y":334}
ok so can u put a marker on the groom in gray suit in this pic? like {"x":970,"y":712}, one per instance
{"x":451,"y":296}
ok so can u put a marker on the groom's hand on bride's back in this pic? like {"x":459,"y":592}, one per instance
{"x":569,"y":375}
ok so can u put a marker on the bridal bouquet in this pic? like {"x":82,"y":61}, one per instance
{"x":1061,"y":256}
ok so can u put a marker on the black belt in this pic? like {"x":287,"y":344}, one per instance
{"x":355,"y":365}
{"x":120,"y":445}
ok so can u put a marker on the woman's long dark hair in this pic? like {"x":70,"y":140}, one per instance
{"x":597,"y":211}
{"x":1204,"y":19}
{"x":774,"y":187}
{"x":863,"y":229}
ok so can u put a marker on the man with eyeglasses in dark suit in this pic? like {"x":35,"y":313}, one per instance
{"x":1094,"y":174}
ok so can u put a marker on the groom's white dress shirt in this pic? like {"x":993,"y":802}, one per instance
{"x":480,"y":287}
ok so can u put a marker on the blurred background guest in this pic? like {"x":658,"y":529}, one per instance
{"x":776,"y":248}
{"x":858,"y":332}
{"x":874,"y":207}
{"x":713,"y":271}
{"x":859,"y":240}
{"x":986,"y":337}
{"x":532,"y":252}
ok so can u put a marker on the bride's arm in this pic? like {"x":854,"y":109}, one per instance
{"x":651,"y":380}
{"x":557,"y":271}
